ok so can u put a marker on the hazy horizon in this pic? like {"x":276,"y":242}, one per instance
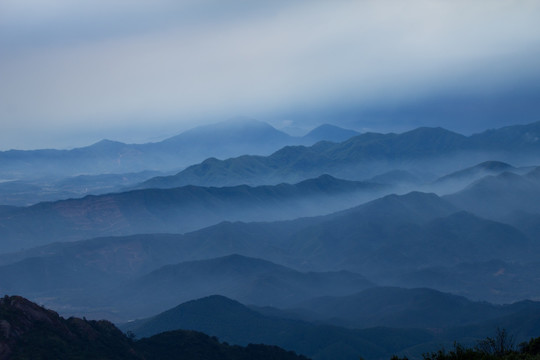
{"x":75,"y":73}
{"x":138,"y":136}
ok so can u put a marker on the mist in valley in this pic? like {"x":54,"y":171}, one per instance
{"x":453,"y":229}
{"x":329,"y":181}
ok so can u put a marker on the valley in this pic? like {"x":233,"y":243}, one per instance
{"x":373,"y":246}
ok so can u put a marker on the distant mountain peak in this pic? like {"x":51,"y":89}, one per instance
{"x":326,"y":178}
{"x":434,"y":133}
{"x":494,"y":165}
{"x":508,"y":175}
{"x":106,"y":143}
{"x":328,"y":132}
{"x":215,"y":299}
{"x":534,"y":173}
{"x":322,"y":180}
{"x":490,"y":167}
{"x":235,"y":263}
{"x":232,"y":133}
{"x":244,"y":261}
{"x":511,"y":137}
{"x":430,"y":130}
{"x":413,"y":206}
{"x":417,"y":195}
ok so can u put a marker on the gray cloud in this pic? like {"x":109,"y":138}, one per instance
{"x":75,"y":67}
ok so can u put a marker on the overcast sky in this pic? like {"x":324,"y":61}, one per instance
{"x":74,"y":72}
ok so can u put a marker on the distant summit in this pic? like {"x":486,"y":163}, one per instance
{"x":329,"y":132}
{"x":226,"y":133}
{"x":364,"y":156}
{"x":515,"y":137}
{"x":497,"y":196}
{"x":246,"y":279}
{"x":477,"y":171}
{"x":222,"y":140}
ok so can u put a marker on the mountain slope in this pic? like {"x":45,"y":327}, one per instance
{"x":382,"y":239}
{"x":249,"y":280}
{"x":225,"y":139}
{"x":458,"y":180}
{"x":496,"y":197}
{"x":398,"y":307}
{"x":294,"y":163}
{"x":89,"y":283}
{"x":328,"y":132}
{"x":182,"y":344}
{"x":382,"y":242}
{"x":364,"y":156}
{"x":237,"y":324}
{"x":32,"y":332}
{"x":496,"y":281}
{"x":512,"y":138}
{"x":478,"y":171}
{"x":175,"y":210}
{"x":30,"y":192}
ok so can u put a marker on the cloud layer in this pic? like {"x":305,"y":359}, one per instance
{"x":90,"y":66}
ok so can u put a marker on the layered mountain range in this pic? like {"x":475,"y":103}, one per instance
{"x":376,"y":245}
{"x":417,"y":325}
{"x":424,"y":150}
{"x":27,"y":177}
{"x":224,"y":140}
{"x":176,"y":210}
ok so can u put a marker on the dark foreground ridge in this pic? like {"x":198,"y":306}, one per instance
{"x":29,"y":331}
{"x":499,"y":347}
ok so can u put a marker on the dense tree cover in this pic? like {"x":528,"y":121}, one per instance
{"x":499,"y":347}
{"x":181,"y":344}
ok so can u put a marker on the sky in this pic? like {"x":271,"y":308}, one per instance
{"x":75,"y":72}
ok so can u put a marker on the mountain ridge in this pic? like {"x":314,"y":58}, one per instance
{"x":349,"y":158}
{"x":236,"y":323}
{"x":224,"y":139}
{"x":246,"y":279}
{"x":176,"y":210}
{"x":382,"y":240}
{"x":29,"y":331}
